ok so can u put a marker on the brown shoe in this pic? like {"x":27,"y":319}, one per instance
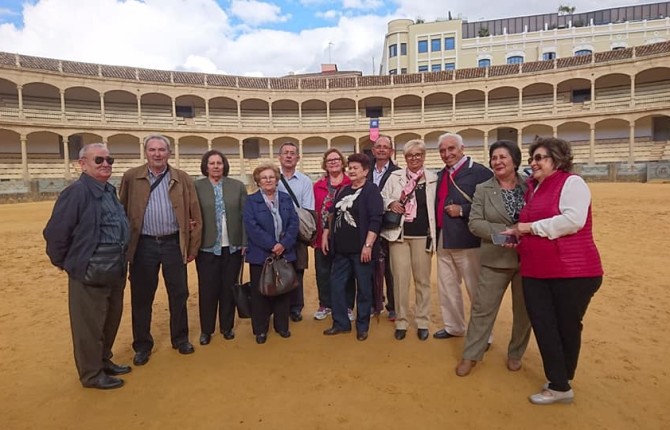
{"x":513,"y":365}
{"x":464,"y":367}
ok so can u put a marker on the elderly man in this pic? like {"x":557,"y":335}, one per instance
{"x":382,"y":167}
{"x":299,"y":187}
{"x":457,"y":247}
{"x":87,"y":231}
{"x":165,"y":229}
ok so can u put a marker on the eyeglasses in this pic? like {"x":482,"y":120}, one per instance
{"x":538,"y":157}
{"x":108,"y":159}
{"x":416,"y":156}
{"x":332,"y":160}
{"x":267,"y":178}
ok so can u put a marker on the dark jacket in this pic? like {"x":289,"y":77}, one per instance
{"x":455,"y":232}
{"x":73,"y":231}
{"x":392,"y":167}
{"x":260,"y":227}
{"x":234,"y":197}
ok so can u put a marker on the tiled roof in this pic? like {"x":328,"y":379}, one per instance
{"x":154,"y":75}
{"x":80,"y":68}
{"x":573,"y":61}
{"x":119,"y":72}
{"x":7,"y":59}
{"x":258,"y":83}
{"x":342,"y":83}
{"x":471,"y":73}
{"x":414,"y":78}
{"x":39,"y":63}
{"x":503,"y":70}
{"x":374,"y":81}
{"x":188,"y":78}
{"x":222,"y":81}
{"x":313,"y":84}
{"x":656,"y":48}
{"x":537,"y":66}
{"x":283,"y":83}
{"x":619,"y":54}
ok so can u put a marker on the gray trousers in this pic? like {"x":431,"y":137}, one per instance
{"x":95,"y":315}
{"x":488,"y":296}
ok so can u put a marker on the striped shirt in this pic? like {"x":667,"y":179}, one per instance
{"x":159,"y":217}
{"x":113,"y":222}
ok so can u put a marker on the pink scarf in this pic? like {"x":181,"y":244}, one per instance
{"x":408,"y":193}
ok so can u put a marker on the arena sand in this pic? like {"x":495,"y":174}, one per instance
{"x":317,"y":382}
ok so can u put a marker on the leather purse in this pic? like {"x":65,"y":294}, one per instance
{"x":106,"y":267}
{"x":391,"y":220}
{"x":242,"y":296}
{"x":277,"y":277}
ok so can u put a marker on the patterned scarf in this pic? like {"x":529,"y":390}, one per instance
{"x":408,"y":194}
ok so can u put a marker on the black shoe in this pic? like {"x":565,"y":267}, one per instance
{"x":334,"y":330}
{"x":422,"y":333}
{"x":228,"y":335}
{"x":400,"y":334}
{"x":284,"y":334}
{"x":104,"y":382}
{"x":185,"y":348}
{"x":362,"y":335}
{"x":116,"y":369}
{"x":141,"y":358}
{"x":296,"y":316}
{"x":442,"y":334}
{"x":261,"y":338}
{"x":205,"y":338}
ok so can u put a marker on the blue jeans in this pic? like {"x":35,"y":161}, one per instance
{"x":343,"y":267}
{"x":323,"y":265}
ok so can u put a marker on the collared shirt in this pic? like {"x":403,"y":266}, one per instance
{"x":222,"y":239}
{"x":377,"y":175}
{"x":113,"y":222}
{"x":458,"y":165}
{"x":159,"y":217}
{"x":302,"y":187}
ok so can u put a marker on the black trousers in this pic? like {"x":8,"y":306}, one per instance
{"x":150,"y":256}
{"x":262,"y":306}
{"x":216,"y":276}
{"x":95,"y":315}
{"x":556,"y":308}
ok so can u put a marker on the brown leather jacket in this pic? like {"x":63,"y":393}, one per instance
{"x":134,"y":196}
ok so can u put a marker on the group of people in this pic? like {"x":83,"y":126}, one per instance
{"x":376,"y":224}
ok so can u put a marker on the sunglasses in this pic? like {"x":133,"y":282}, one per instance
{"x":538,"y":157}
{"x":108,"y":159}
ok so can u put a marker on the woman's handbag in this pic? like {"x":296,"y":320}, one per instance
{"x":391,"y":220}
{"x":242,"y":296}
{"x":106,"y":267}
{"x":277,"y":277}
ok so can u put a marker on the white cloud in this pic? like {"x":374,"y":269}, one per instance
{"x":329,"y":14}
{"x":254,"y":13}
{"x":362,"y":4}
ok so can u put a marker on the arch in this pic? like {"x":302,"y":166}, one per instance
{"x":191,"y":108}
{"x":469,"y":105}
{"x":82,"y":104}
{"x":120,"y":107}
{"x":123,"y":145}
{"x":9,"y":98}
{"x":285,"y":113}
{"x":407,"y":109}
{"x":44,"y":145}
{"x":228,"y":145}
{"x":431,"y":139}
{"x":10,"y":146}
{"x":255,"y":113}
{"x":223,"y":111}
{"x":314,"y":113}
{"x":346,"y":144}
{"x":401,"y":139}
{"x":192,"y":146}
{"x":575,"y":132}
{"x":314,"y":145}
{"x":534,"y":130}
{"x":437,"y":106}
{"x":537,"y":99}
{"x":156,"y":109}
{"x":41,"y":101}
{"x":503,"y":101}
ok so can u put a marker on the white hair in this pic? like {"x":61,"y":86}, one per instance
{"x":156,"y":136}
{"x":456,"y":137}
{"x":85,"y":148}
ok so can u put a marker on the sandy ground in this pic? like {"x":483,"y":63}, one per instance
{"x":318,"y":382}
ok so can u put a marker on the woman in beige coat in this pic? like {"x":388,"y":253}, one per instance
{"x":411,"y":192}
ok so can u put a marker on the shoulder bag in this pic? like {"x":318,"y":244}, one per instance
{"x":277,"y":277}
{"x":242,"y":295}
{"x":307,"y":228}
{"x":390,"y":219}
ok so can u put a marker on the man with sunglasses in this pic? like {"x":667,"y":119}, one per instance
{"x":165,"y":229}
{"x":86,"y":219}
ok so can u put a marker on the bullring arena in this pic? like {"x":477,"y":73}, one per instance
{"x":49,"y":108}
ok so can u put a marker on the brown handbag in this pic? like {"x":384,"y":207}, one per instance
{"x":277,"y":277}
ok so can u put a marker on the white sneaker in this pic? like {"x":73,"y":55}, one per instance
{"x":322,"y":313}
{"x":548,"y":397}
{"x":352,"y":317}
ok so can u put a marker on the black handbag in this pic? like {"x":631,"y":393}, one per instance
{"x":107,"y":266}
{"x":242,"y":296}
{"x":277,"y":277}
{"x":391,"y":220}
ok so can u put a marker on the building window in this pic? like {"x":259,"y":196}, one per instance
{"x":618,"y":48}
{"x":423,"y":69}
{"x":403,"y":49}
{"x":449,"y":66}
{"x":393,"y":50}
{"x":583,"y":52}
{"x":403,"y":71}
{"x":548,"y":56}
{"x":435,"y":45}
{"x":393,"y":72}
{"x":435,"y":67}
{"x":423,"y":46}
{"x":484,"y":63}
{"x":515,"y":59}
{"x":449,"y":43}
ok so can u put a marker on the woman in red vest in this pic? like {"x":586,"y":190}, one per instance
{"x":559,"y":263}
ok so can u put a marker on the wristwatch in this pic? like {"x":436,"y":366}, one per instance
{"x":367,"y":245}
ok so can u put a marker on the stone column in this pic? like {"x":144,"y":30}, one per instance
{"x":103,"y":119}
{"x":270,"y":115}
{"x":207,"y":112}
{"x":19,"y":89}
{"x":520,"y":110}
{"x":24,"y":157}
{"x":453,"y":108}
{"x":593,"y":96}
{"x":632,"y":92}
{"x":243,"y":171}
{"x":592,"y":145}
{"x":300,"y":152}
{"x":300,"y":115}
{"x":66,"y":157}
{"x":486,"y":145}
{"x":62,"y":105}
{"x":239,"y":114}
{"x":423,"y":110}
{"x":209,"y":144}
{"x":486,"y":104}
{"x":356,"y":107}
{"x":141,"y":150}
{"x":139,"y":110}
{"x":176,"y":151}
{"x":174,"y":112}
{"x":392,"y":111}
{"x":328,"y":115}
{"x":555,"y":108}
{"x":631,"y":142}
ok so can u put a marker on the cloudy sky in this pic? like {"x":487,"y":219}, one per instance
{"x":241,"y":37}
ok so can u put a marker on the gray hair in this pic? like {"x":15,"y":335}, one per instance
{"x":156,"y":136}
{"x":288,"y":143}
{"x":456,"y":137}
{"x":384,"y":136}
{"x":414,"y":143}
{"x":85,"y":148}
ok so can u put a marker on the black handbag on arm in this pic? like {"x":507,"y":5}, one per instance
{"x":242,"y":295}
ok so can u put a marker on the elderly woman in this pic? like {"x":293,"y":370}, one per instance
{"x":495,"y":207}
{"x":223,"y":242}
{"x":411,"y":192}
{"x":355,"y":221}
{"x":325,"y":190}
{"x":560,"y":264}
{"x":271,"y":223}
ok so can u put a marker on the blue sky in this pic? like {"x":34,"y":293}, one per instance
{"x":242,"y":37}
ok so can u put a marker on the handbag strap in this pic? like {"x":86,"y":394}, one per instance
{"x":158,"y":181}
{"x":290,"y":191}
{"x":465,"y":196}
{"x":241,"y":273}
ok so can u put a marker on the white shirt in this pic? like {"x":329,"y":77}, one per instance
{"x":574,"y":206}
{"x":302,"y":187}
{"x":377,"y":175}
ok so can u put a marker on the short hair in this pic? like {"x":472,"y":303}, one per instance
{"x":287,"y":143}
{"x":414,"y":143}
{"x":387,"y":137}
{"x":205,"y":161}
{"x":454,"y":136}
{"x":558,"y":149}
{"x":262,"y":167}
{"x":85,"y":148}
{"x":511,"y":147}
{"x":332,"y":151}
{"x":363,"y":159}
{"x":156,"y":136}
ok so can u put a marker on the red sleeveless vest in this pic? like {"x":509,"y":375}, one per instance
{"x":571,"y":256}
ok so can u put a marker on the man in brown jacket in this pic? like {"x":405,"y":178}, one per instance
{"x":165,"y":228}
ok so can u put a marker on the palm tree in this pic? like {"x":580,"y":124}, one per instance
{"x":566,"y":10}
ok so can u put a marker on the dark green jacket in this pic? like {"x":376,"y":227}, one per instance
{"x":234,"y":196}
